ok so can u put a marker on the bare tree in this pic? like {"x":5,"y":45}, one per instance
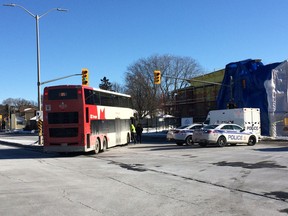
{"x":18,"y":102}
{"x":147,"y":97}
{"x":142,"y":92}
{"x":118,"y":87}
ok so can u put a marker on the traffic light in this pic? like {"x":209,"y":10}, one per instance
{"x":85,"y":77}
{"x":157,"y":77}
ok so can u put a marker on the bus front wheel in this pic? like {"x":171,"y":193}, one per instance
{"x":97,"y":146}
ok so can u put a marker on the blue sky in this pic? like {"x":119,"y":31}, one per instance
{"x":106,"y":36}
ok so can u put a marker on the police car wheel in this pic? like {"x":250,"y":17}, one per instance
{"x":252,"y":140}
{"x":189,"y":140}
{"x":221,"y":141}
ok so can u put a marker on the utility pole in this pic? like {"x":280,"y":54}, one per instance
{"x":37,"y":17}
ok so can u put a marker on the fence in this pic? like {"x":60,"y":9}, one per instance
{"x":159,"y":124}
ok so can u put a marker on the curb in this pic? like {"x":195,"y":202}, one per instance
{"x":30,"y":147}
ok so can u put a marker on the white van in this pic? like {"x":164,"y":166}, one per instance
{"x":248,"y":118}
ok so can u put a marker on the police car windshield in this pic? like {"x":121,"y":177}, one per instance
{"x":210,"y":127}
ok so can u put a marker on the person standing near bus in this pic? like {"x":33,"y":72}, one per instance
{"x":139,"y":131}
{"x":133,"y":133}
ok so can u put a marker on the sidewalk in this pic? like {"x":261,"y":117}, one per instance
{"x":25,"y":140}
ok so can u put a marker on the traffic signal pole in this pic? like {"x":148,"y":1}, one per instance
{"x":60,"y":78}
{"x":84,"y":74}
{"x":195,"y":80}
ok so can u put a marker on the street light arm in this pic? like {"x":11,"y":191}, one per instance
{"x":16,"y":5}
{"x":9,"y":5}
{"x":33,"y":15}
{"x":62,"y":9}
{"x":58,"y":9}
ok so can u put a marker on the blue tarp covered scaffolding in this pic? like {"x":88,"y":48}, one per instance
{"x":250,"y":83}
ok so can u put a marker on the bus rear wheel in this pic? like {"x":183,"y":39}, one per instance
{"x":105,"y":143}
{"x":97,"y":146}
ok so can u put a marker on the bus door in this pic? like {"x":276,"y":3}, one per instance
{"x":118,"y":130}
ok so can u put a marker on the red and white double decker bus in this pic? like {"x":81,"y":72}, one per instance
{"x":81,"y":119}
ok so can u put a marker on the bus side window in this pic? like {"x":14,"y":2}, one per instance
{"x":87,"y":115}
{"x":115,"y":100}
{"x":125,"y":102}
{"x":96,"y":98}
{"x":88,"y":96}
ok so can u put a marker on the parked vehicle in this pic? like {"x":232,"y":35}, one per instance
{"x":224,"y":134}
{"x":185,"y":135}
{"x":248,"y":118}
{"x":171,"y":132}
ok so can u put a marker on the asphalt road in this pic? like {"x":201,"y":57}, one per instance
{"x":157,"y":178}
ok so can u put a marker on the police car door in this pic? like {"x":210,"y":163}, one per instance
{"x":231,"y":134}
{"x":242,"y":136}
{"x":237,"y":136}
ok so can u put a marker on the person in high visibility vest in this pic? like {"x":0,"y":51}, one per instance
{"x":133,"y":133}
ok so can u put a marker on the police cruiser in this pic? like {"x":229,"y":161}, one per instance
{"x":224,"y":134}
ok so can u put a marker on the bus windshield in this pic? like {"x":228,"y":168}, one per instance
{"x":62,"y":94}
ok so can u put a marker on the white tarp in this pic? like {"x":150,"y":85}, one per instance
{"x":277,"y":97}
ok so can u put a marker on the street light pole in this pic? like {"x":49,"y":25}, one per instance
{"x":38,"y":66}
{"x":37,"y":17}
